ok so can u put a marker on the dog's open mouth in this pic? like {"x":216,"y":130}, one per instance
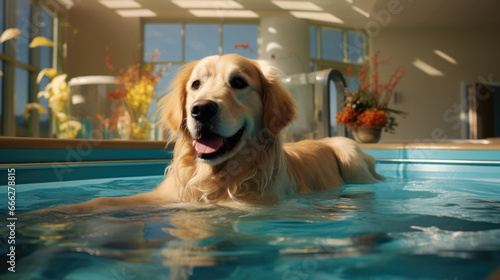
{"x":210,"y":145}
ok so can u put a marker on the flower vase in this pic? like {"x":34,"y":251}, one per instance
{"x":367,"y":135}
{"x":140,"y":129}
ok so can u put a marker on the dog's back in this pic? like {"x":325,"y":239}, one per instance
{"x":329,"y":162}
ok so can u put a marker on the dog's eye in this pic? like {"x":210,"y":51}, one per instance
{"x":196,"y":84}
{"x":237,"y":83}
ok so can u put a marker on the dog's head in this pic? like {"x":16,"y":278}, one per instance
{"x":221,"y":102}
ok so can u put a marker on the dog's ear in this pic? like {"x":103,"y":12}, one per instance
{"x":279,"y":105}
{"x":171,"y":107}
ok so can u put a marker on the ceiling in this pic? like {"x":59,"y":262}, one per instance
{"x":421,"y":14}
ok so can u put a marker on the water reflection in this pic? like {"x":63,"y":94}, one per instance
{"x":357,"y":230}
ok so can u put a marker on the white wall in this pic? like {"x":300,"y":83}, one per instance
{"x":432,"y":102}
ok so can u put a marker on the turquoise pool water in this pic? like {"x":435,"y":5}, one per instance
{"x":396,"y":229}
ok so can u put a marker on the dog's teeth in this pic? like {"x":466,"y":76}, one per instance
{"x":199,"y":137}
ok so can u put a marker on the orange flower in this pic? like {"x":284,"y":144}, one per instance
{"x":117,"y":94}
{"x":348,"y":116}
{"x":372,"y":118}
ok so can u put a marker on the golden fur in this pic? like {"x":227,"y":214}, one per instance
{"x":260,"y":168}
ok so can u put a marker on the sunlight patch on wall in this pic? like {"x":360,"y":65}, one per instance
{"x":362,"y":12}
{"x":446,"y":57}
{"x":426,"y":68}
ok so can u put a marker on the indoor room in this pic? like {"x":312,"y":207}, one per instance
{"x":250,"y":139}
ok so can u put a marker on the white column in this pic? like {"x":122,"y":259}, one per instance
{"x":285,"y":43}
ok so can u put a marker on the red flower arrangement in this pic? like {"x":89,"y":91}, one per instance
{"x":367,"y":107}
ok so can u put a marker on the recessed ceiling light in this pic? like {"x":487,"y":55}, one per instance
{"x":445,"y":57}
{"x":426,"y":68}
{"x":120,"y":4}
{"x":362,"y":12}
{"x":224,"y":13}
{"x":297,"y":5}
{"x":317,"y":16}
{"x":136,"y":13}
{"x":194,"y":4}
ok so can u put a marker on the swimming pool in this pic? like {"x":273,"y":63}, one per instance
{"x":429,"y":220}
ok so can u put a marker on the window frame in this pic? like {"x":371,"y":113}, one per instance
{"x":11,"y":63}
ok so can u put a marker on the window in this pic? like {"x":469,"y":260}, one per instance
{"x":2,"y":21}
{"x":329,"y":45}
{"x":332,"y":44}
{"x":1,"y":97}
{"x":22,"y":97}
{"x":339,"y":49}
{"x":355,"y":47}
{"x":313,"y":42}
{"x":21,"y":64}
{"x":166,"y":38}
{"x":240,"y":39}
{"x":23,"y":18}
{"x":201,"y":40}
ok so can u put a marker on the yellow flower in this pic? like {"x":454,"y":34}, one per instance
{"x":31,"y":106}
{"x":45,"y":94}
{"x":49,"y":72}
{"x":55,"y":84}
{"x":70,"y":129}
{"x":10,"y":33}
{"x":40,"y":41}
{"x":61,"y":117}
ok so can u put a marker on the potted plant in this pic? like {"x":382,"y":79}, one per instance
{"x":365,"y":109}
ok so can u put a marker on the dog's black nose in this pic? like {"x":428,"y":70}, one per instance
{"x":204,"y":110}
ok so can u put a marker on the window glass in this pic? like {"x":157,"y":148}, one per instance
{"x":352,"y":83}
{"x":2,"y":21}
{"x":166,"y":38}
{"x":332,"y":44}
{"x":240,"y":39}
{"x":24,"y":24}
{"x":46,"y":30}
{"x":22,"y":93}
{"x":201,"y":40}
{"x":169,"y":72}
{"x":44,"y":118}
{"x":355,"y":47}
{"x":161,"y":89}
{"x":46,"y":56}
{"x":333,"y":106}
{"x":1,"y":98}
{"x":313,"y":42}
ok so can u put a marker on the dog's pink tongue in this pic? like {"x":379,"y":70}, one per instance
{"x":209,"y":146}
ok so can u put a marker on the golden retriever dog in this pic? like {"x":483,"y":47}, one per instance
{"x":226,"y":114}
